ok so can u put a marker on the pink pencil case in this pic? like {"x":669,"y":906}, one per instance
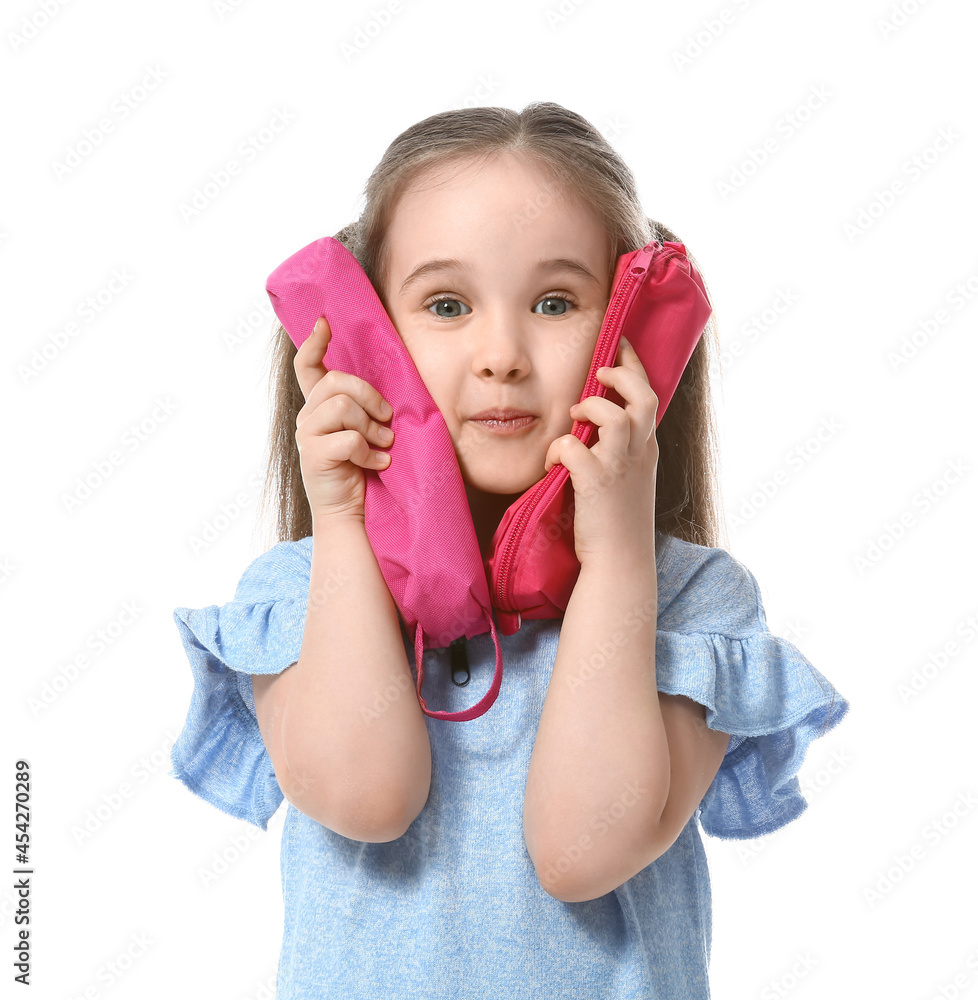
{"x":416,"y":511}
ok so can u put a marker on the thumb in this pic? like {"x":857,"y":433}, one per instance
{"x":555,"y":453}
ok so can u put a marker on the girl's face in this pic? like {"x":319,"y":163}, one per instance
{"x":522,"y":272}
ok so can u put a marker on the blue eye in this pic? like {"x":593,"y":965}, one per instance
{"x":555,"y":298}
{"x":447,"y":298}
{"x":547,"y":312}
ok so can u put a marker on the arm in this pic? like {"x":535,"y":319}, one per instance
{"x":617,"y":769}
{"x":345,"y":752}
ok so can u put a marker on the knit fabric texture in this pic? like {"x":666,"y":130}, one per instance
{"x":454,"y":908}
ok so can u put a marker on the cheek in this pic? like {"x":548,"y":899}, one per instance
{"x":572,"y":378}
{"x":426,"y":361}
{"x":436,"y":376}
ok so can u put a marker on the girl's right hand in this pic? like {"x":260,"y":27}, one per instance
{"x":342,"y":417}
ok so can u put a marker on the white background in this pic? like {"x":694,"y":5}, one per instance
{"x":865,"y":570}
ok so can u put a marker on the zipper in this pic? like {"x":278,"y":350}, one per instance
{"x":460,"y":661}
{"x":638,"y":268}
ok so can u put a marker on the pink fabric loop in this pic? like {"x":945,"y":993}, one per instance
{"x":480,"y":707}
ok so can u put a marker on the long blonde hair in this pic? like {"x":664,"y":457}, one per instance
{"x":570,"y":151}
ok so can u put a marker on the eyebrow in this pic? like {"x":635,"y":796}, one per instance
{"x":552,"y":266}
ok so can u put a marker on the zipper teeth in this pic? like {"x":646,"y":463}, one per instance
{"x":589,"y":386}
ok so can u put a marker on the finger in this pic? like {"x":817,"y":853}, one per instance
{"x":350,"y":433}
{"x":353,"y":447}
{"x":370,"y":403}
{"x":613,"y":423}
{"x":628,"y":357}
{"x":632,"y":384}
{"x":308,"y":363}
{"x":343,"y":446}
{"x":571,"y":452}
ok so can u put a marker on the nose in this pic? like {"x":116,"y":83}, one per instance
{"x":499,"y":349}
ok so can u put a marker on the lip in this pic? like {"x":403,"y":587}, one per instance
{"x":507,"y":421}
{"x":506,"y":413}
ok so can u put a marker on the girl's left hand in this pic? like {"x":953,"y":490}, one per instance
{"x":614,"y":479}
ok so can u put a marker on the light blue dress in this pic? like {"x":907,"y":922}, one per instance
{"x":453,"y":908}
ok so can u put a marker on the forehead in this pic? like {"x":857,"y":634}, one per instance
{"x":501,"y":207}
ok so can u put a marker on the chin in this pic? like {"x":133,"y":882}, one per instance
{"x":503,"y":481}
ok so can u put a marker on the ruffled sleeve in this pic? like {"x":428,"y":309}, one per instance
{"x":713,"y":645}
{"x":220,"y":754}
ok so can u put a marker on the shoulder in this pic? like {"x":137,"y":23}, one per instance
{"x":281,"y":572}
{"x":704,"y":589}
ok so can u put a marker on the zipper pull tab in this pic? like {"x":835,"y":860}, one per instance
{"x":509,"y":621}
{"x":460,"y":661}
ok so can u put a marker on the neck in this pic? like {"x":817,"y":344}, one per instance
{"x":487,"y":511}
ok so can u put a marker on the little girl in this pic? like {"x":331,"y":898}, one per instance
{"x":552,"y":845}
